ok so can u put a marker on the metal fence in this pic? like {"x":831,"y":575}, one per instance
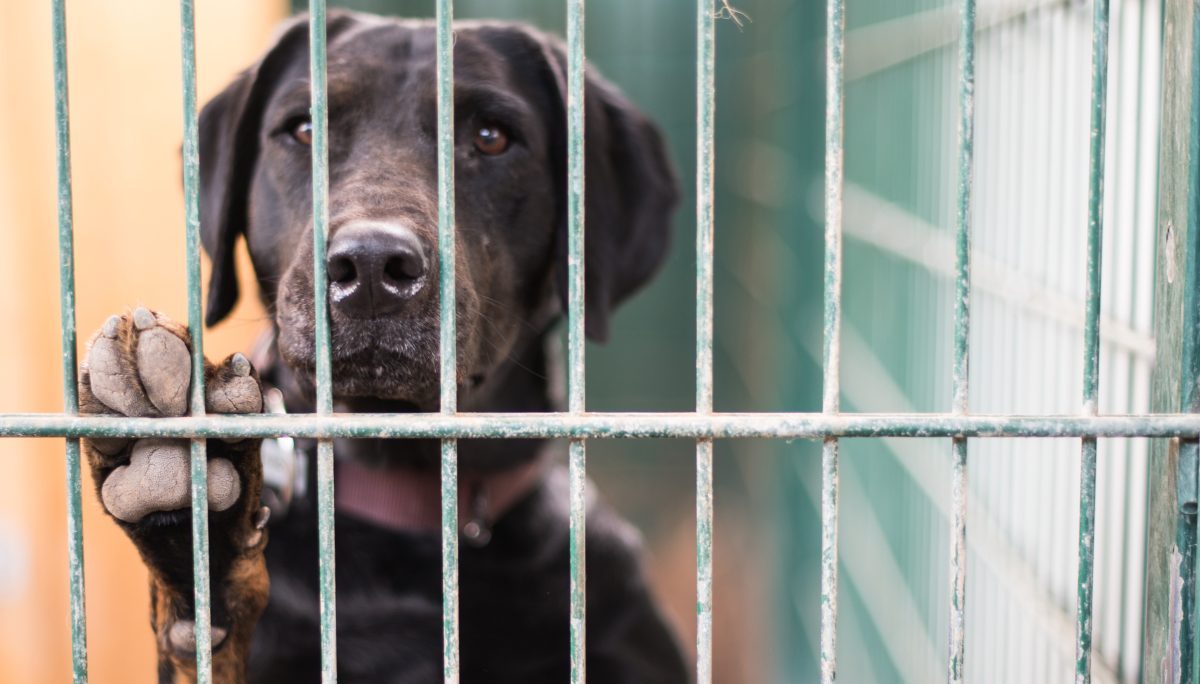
{"x":1170,"y":584}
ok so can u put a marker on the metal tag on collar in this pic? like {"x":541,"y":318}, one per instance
{"x":284,"y":466}
{"x":478,"y":530}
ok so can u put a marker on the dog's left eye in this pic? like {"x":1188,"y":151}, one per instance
{"x":491,"y":140}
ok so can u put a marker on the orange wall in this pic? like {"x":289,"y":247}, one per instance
{"x":126,"y":123}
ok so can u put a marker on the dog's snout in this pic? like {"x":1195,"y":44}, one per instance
{"x":375,"y":269}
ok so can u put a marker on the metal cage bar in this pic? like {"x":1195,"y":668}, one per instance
{"x":324,"y":388}
{"x":66,"y":270}
{"x":702,"y":425}
{"x":199,"y":457}
{"x":1170,"y":627}
{"x":705,"y":142}
{"x":576,"y":374}
{"x":962,"y":321}
{"x":448,"y":350}
{"x":605,"y":425}
{"x":1091,"y":366}
{"x":834,"y":181}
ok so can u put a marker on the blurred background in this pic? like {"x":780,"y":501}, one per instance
{"x":901,"y":114}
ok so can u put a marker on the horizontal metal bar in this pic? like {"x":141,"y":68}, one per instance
{"x":603,"y":426}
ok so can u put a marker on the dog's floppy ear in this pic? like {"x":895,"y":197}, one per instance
{"x":230,"y":130}
{"x":631,"y":192}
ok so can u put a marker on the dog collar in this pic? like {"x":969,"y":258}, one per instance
{"x":398,"y":499}
{"x":409,"y":500}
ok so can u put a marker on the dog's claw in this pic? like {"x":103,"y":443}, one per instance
{"x":143,"y":319}
{"x":111,"y":327}
{"x":240,"y":365}
{"x":261,"y":518}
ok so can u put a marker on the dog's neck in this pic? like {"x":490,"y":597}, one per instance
{"x":396,"y":483}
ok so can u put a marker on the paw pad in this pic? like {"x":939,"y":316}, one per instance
{"x":182,"y":636}
{"x":158,"y":478}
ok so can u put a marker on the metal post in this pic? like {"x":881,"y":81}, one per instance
{"x":1168,"y":646}
{"x":199,"y":458}
{"x":449,"y":354}
{"x":705,"y":142}
{"x":1091,"y":367}
{"x":962,"y":340}
{"x":66,"y":266}
{"x":834,"y":115}
{"x":576,"y":374}
{"x":324,"y":389}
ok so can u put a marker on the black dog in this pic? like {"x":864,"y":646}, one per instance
{"x":383,"y":271}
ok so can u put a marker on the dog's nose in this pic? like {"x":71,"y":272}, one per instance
{"x":375,"y":268}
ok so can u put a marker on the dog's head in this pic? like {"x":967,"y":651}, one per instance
{"x":510,"y":181}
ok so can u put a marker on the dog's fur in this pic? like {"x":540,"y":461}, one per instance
{"x":511,"y":282}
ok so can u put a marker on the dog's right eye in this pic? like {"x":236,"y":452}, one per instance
{"x":301,"y":131}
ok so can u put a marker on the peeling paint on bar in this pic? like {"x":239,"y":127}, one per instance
{"x":448,"y":347}
{"x":324,"y":390}
{"x":962,"y":319}
{"x":577,"y":485}
{"x":605,"y":426}
{"x":66,"y":274}
{"x":704,"y":561}
{"x":449,"y":472}
{"x":576,"y":371}
{"x":1091,"y":367}
{"x":834,"y":158}
{"x":199,"y":458}
{"x":705,"y":142}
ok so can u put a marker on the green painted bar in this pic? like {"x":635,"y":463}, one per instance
{"x":449,"y":354}
{"x":324,"y":390}
{"x":1091,"y":367}
{"x":1189,"y":400}
{"x":962,"y":344}
{"x":834,"y":159}
{"x":605,"y":426}
{"x":576,"y":374}
{"x":1169,"y":633}
{"x":199,"y":458}
{"x":577,"y":481}
{"x":705,"y":143}
{"x":66,"y":272}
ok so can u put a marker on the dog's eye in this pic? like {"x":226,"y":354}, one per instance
{"x":302,"y":131}
{"x":491,"y":140}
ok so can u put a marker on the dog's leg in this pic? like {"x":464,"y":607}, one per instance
{"x":139,"y":365}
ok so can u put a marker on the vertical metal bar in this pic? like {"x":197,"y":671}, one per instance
{"x":324,"y":380}
{"x":199,"y":458}
{"x":1168,"y":644}
{"x":66,"y":271}
{"x":576,"y":394}
{"x":449,"y":354}
{"x":962,"y":339}
{"x":705,"y":143}
{"x":834,"y":112}
{"x":1091,"y":366}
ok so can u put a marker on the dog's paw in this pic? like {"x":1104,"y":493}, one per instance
{"x":140,"y":365}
